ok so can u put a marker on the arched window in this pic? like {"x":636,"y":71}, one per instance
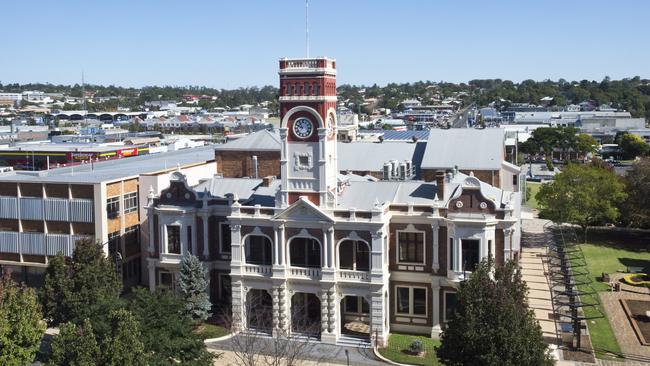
{"x":354,"y":255}
{"x":305,"y":252}
{"x":259,"y":250}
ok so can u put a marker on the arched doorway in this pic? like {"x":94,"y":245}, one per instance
{"x":259,"y":310}
{"x":355,"y":317}
{"x":306,"y":314}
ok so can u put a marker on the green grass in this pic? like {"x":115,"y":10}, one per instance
{"x":534,"y":188}
{"x":398,"y":345}
{"x":609,"y":251}
{"x":207,"y":330}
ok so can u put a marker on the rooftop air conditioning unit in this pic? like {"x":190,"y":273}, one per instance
{"x":388,"y":170}
{"x":402,"y":171}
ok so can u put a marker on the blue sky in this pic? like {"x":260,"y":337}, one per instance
{"x":229,"y":44}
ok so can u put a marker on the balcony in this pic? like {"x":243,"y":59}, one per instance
{"x":305,"y":273}
{"x":346,"y":275}
{"x":257,"y":270}
{"x":8,"y":208}
{"x":39,"y":243}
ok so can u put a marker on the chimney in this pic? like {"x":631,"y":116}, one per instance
{"x":267,"y":181}
{"x":440,"y":182}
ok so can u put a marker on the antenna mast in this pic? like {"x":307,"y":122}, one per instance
{"x":83,"y":90}
{"x":307,"y":26}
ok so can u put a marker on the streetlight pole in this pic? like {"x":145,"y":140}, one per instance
{"x":347,"y":356}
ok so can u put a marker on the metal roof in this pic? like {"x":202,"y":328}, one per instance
{"x":364,"y":195}
{"x":114,"y":169}
{"x":263,"y":140}
{"x":405,"y":135}
{"x":467,"y":148}
{"x":218,"y":187}
{"x":371,"y":156}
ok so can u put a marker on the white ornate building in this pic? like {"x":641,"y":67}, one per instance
{"x":353,"y":255}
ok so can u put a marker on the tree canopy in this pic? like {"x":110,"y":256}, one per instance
{"x":492,"y":324}
{"x":583,"y":195}
{"x":21,"y":324}
{"x":633,"y":146}
{"x":166,"y":331}
{"x":86,"y":287}
{"x":636,"y":209}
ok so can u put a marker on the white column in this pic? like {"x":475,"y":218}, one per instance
{"x":282,"y":258}
{"x":435,"y":227}
{"x":437,"y":326}
{"x":377,"y":255}
{"x":206,"y":238}
{"x":459,"y":260}
{"x":378,"y":331}
{"x":151,"y":266}
{"x":507,"y":244}
{"x":332,"y":247}
{"x":276,"y":247}
{"x":235,"y":249}
{"x":237,"y":306}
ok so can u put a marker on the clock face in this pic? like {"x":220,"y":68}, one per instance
{"x":303,"y":128}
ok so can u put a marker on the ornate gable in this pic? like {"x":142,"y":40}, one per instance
{"x":303,"y":210}
{"x":178,"y":193}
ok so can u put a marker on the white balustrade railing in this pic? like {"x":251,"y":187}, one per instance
{"x":350,"y":275}
{"x":310,"y":273}
{"x":259,"y":270}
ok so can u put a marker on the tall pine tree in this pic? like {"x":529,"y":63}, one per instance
{"x":492,"y":324}
{"x":192,"y":285}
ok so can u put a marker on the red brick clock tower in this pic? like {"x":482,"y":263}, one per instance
{"x":308,"y":130}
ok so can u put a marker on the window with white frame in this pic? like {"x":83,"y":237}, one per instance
{"x":113,"y":207}
{"x":173,"y":239}
{"x":354,"y":255}
{"x":356,"y":305}
{"x":450,"y":254}
{"x":410,"y":247}
{"x":130,"y":202}
{"x":304,"y":252}
{"x":411,"y":300}
{"x":450,"y":299}
{"x":470,"y":254}
{"x":258,"y":250}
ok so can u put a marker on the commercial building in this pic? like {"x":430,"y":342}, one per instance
{"x":45,"y":212}
{"x":291,"y":243}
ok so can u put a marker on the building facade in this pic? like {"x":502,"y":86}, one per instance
{"x":321,"y":253}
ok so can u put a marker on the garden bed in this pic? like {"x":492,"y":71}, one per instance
{"x":398,"y":350}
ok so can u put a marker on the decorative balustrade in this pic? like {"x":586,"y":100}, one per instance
{"x":350,"y":275}
{"x":257,"y":270}
{"x":305,"y":273}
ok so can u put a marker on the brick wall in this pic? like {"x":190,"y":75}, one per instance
{"x":237,"y":164}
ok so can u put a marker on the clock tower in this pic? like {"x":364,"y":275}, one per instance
{"x":308,"y":130}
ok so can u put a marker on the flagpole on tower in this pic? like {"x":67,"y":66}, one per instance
{"x":307,"y":26}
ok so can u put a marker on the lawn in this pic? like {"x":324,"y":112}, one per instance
{"x":534,"y":188}
{"x":608,"y":251}
{"x":398,"y":345}
{"x":207,"y":330}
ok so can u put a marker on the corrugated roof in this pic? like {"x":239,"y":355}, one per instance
{"x":263,"y":140}
{"x":244,"y":188}
{"x":371,"y":156}
{"x":114,"y":169}
{"x":467,"y":148}
{"x":363,"y":195}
